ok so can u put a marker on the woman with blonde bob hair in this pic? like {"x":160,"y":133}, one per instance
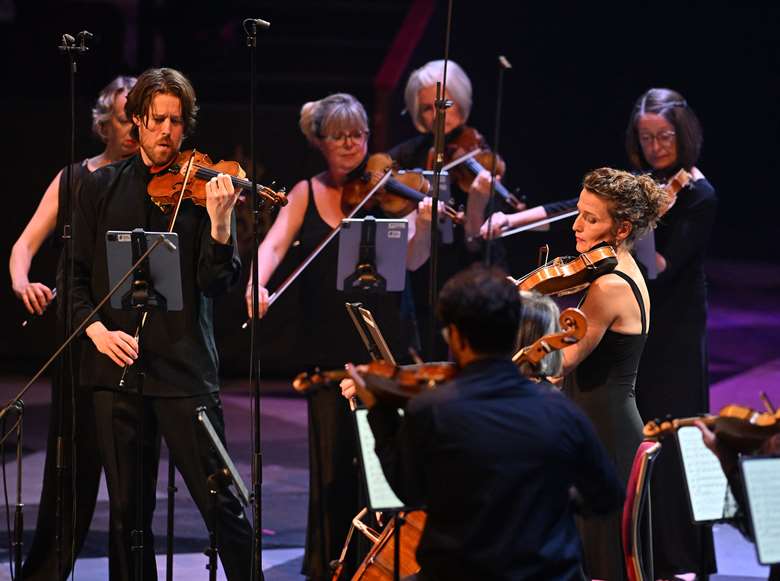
{"x":337,"y":126}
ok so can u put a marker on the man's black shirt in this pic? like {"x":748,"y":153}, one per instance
{"x":492,"y":456}
{"x":178,"y":353}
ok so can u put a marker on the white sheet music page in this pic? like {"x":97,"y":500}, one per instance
{"x":380,"y":495}
{"x":762,"y":486}
{"x":707,"y":485}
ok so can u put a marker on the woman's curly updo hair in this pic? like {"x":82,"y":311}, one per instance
{"x":340,"y":112}
{"x":104,"y":105}
{"x":636,"y":199}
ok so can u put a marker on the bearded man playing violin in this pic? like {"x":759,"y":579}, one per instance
{"x":177,"y":348}
{"x":491,"y":455}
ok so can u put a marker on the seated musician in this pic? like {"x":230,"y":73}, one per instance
{"x":492,"y":455}
{"x":729,"y":461}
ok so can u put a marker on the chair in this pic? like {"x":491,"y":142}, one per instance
{"x":638,"y":547}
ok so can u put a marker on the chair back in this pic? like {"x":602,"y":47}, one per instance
{"x":634,"y":510}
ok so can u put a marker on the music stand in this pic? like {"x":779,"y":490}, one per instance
{"x":761,"y":475}
{"x":372,"y":255}
{"x":156,"y":284}
{"x":218,"y":481}
{"x":709,"y":496}
{"x":369,"y":332}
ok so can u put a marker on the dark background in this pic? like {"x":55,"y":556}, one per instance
{"x":577,"y":69}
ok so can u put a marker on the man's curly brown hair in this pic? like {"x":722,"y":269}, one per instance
{"x":636,"y":199}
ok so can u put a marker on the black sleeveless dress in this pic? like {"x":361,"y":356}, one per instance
{"x":330,"y":340}
{"x":603,"y":386}
{"x":41,"y":562}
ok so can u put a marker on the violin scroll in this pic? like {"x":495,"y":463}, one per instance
{"x":574,"y":325}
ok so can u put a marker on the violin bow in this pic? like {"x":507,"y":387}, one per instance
{"x":302,"y":266}
{"x":537,"y":224}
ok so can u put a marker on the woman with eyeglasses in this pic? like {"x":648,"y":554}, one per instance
{"x":337,"y":126}
{"x":663,"y":136}
{"x":414,"y":153}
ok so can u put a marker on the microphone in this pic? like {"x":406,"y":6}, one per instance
{"x":85,"y":35}
{"x":68,"y":40}
{"x":259,"y":22}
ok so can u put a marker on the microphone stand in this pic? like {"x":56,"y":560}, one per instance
{"x":17,"y":403}
{"x":503,"y":65}
{"x":72,"y":49}
{"x":438,"y":162}
{"x":250,"y":27}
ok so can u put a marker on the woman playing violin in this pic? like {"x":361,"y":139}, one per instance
{"x":112,"y":126}
{"x":614,"y":207}
{"x":662,"y":137}
{"x":420,"y":97}
{"x":337,"y":126}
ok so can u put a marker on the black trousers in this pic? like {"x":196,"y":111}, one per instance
{"x":117,"y":417}
{"x":80,"y":479}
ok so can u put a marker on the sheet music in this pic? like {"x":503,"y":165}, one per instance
{"x":762,"y":486}
{"x":380,"y":495}
{"x":708,"y":491}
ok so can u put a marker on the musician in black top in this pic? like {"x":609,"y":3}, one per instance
{"x":178,"y":353}
{"x":492,"y":455}
{"x":71,"y":416}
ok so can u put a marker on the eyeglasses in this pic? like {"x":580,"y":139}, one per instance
{"x":665,"y":138}
{"x":341,"y":138}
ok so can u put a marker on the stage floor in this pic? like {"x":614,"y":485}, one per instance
{"x":744,"y":331}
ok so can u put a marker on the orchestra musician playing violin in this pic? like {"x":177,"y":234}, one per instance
{"x":492,"y":455}
{"x":471,"y":191}
{"x":729,"y":461}
{"x":176,"y":348}
{"x":615,"y":207}
{"x":337,"y":126}
{"x":112,"y":127}
{"x":663,"y":137}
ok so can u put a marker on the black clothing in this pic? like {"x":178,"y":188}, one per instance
{"x":492,"y":455}
{"x":83,"y":470}
{"x":552,"y":208}
{"x":603,"y":386}
{"x":179,"y":354}
{"x":413,"y":154}
{"x":330,"y":341}
{"x":678,"y":333}
{"x":117,"y":414}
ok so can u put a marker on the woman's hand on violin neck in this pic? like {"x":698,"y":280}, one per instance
{"x":494,"y":225}
{"x":424,"y":212}
{"x":262,"y":300}
{"x":481,"y":185}
{"x":221,"y":197}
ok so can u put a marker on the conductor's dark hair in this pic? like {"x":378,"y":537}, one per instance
{"x":485,"y":307}
{"x":161,"y":81}
{"x":673,"y":107}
